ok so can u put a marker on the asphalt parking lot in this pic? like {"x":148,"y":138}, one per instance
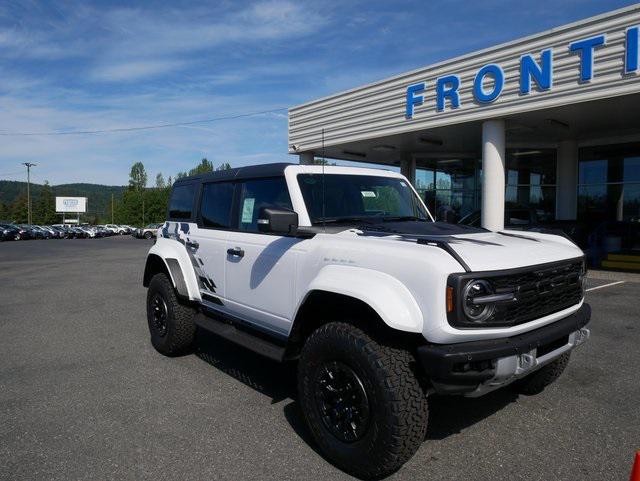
{"x":84,"y":396}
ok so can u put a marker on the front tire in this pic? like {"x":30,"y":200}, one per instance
{"x":170,"y":323}
{"x":361,"y":400}
{"x":535,"y":382}
{"x":148,"y":235}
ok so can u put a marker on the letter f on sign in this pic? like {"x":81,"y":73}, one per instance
{"x":413,"y":97}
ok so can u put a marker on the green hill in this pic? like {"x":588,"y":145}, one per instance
{"x":98,"y":196}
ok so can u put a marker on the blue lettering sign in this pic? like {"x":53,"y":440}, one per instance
{"x":498,"y":83}
{"x":631,"y":61}
{"x":541,"y":74}
{"x":413,"y":99}
{"x":586,"y":47}
{"x":532,"y":71}
{"x":447,"y":87}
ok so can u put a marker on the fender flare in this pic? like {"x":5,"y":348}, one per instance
{"x":178,"y":265}
{"x":385,"y":294}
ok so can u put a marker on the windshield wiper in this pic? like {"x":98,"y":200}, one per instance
{"x":402,"y":218}
{"x":340,"y":220}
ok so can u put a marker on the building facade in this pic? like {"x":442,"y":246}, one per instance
{"x":546,"y":126}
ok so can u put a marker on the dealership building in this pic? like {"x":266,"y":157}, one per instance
{"x":547,"y":124}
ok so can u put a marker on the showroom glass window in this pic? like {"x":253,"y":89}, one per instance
{"x":454,"y":185}
{"x":215,"y":205}
{"x":181,"y":203}
{"x":530,"y":179}
{"x":257,"y":194}
{"x":609,"y":183}
{"x":449,"y":186}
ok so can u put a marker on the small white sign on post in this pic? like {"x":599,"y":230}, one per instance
{"x":71,"y":204}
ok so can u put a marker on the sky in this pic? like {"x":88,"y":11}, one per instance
{"x":68,"y":66}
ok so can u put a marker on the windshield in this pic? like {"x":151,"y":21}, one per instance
{"x":359,"y":198}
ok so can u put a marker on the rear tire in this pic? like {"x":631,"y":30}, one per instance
{"x":535,"y":382}
{"x":170,"y":323}
{"x":381,"y":421}
{"x":148,"y":235}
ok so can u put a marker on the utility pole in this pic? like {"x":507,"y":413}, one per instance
{"x":28,"y":165}
{"x":112,"y":207}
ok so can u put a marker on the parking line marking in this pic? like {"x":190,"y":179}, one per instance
{"x":605,"y":285}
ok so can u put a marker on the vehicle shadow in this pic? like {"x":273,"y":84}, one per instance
{"x":274,"y":380}
{"x":448,"y":415}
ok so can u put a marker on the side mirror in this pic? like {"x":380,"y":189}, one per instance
{"x":277,"y":221}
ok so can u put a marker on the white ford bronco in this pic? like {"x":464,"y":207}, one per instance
{"x":344,"y":271}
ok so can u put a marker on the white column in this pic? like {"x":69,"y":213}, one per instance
{"x":567,"y":180}
{"x":493,"y":142}
{"x":306,"y":158}
{"x":408,"y":169}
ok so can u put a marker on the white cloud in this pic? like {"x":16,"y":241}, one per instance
{"x":146,"y":43}
{"x":106,"y":158}
{"x":134,"y":70}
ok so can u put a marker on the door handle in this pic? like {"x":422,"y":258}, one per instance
{"x":236,"y":251}
{"x":193,"y":244}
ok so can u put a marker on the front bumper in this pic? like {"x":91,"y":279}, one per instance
{"x":477,"y":367}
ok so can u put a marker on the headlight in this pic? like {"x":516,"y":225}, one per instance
{"x":474,"y":295}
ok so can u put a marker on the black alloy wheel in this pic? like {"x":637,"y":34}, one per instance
{"x":342,"y":401}
{"x":159,"y":314}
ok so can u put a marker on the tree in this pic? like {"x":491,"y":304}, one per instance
{"x":4,"y":211}
{"x":224,"y":166}
{"x":44,"y":210}
{"x":202,"y":167}
{"x":137,"y":177}
{"x":160,"y":183}
{"x":18,"y":210}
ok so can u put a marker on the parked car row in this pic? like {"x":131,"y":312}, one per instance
{"x":10,"y":231}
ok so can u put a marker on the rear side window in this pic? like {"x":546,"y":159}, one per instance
{"x":181,"y":202}
{"x":215,"y":206}
{"x":259,"y":193}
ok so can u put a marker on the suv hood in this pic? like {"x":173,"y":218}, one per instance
{"x":480,"y":249}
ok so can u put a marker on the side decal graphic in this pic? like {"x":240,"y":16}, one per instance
{"x":179,"y":231}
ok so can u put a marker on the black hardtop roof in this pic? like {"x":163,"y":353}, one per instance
{"x":248,"y":172}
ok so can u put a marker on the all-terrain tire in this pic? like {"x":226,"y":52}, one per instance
{"x":178,"y":332}
{"x":397,"y":421}
{"x":535,"y":382}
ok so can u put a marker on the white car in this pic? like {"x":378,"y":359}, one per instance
{"x":344,"y":271}
{"x":91,"y":233}
{"x":116,"y":229}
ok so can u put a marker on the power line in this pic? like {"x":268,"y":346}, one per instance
{"x":143,"y":127}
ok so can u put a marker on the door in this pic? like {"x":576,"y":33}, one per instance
{"x":260,"y":268}
{"x":206,"y":243}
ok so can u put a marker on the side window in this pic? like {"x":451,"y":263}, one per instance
{"x":181,"y":202}
{"x":259,"y":193}
{"x":215,"y":206}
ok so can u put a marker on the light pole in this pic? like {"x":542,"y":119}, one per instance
{"x":28,"y":165}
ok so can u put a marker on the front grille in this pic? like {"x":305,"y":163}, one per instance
{"x":538,"y":291}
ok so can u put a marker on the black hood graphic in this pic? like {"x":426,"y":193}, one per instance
{"x":419,"y":228}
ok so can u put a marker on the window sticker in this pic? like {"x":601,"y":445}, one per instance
{"x":403,"y":184}
{"x":247,"y":210}
{"x":368,"y":193}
